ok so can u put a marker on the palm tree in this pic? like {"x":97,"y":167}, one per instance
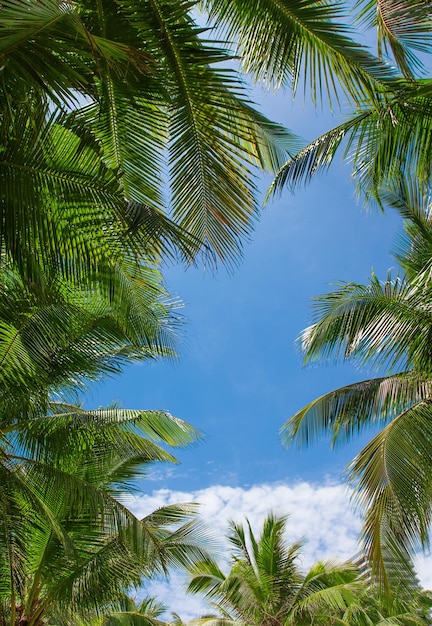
{"x":66,"y":538}
{"x":265,"y":585}
{"x":68,"y":545}
{"x":385,"y":134}
{"x":385,"y":325}
{"x":94,"y":96}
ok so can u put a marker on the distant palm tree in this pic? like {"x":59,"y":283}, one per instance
{"x":385,"y":325}
{"x":148,"y":612}
{"x":265,"y":585}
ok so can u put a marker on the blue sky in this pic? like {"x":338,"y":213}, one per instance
{"x":240,"y":376}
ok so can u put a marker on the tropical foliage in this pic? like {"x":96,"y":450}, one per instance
{"x":384,"y":325}
{"x":148,"y":612}
{"x":265,"y":585}
{"x":68,"y":544}
{"x":96,"y":99}
{"x":104,"y":105}
{"x":386,"y":133}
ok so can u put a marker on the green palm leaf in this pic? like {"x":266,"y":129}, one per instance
{"x":392,"y":478}
{"x":349,"y":410}
{"x":294,"y":42}
{"x":402,"y":26}
{"x":386,"y":140}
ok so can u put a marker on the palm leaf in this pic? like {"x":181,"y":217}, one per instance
{"x":300,"y":41}
{"x":402,"y":26}
{"x":392,"y":478}
{"x":348,"y":410}
{"x":377,"y":324}
{"x":386,"y":140}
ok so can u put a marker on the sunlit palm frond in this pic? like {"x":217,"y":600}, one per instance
{"x":308,"y":42}
{"x":182,"y":537}
{"x":315,"y":157}
{"x":347,"y":411}
{"x":402,"y":26}
{"x":383,"y":325}
{"x":124,"y":442}
{"x":56,"y":339}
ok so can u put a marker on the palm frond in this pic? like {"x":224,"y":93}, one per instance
{"x":349,"y":410}
{"x":392,"y":479}
{"x":377,"y":325}
{"x":402,"y":26}
{"x":387,"y":139}
{"x":329,"y":588}
{"x":287,"y":42}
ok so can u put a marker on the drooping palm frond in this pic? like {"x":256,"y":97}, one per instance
{"x":402,"y":26}
{"x":212,"y":134}
{"x":290,"y":42}
{"x":381,"y":325}
{"x":386,"y":142}
{"x":386,"y":325}
{"x":392,"y":485}
{"x":328,"y":588}
{"x":53,"y":340}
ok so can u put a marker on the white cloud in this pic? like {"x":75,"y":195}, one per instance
{"x":424,"y":570}
{"x":321,"y":515}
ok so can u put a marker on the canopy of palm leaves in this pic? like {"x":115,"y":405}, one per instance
{"x":384,"y":325}
{"x":56,"y":338}
{"x":386,"y":133}
{"x":68,"y":546}
{"x":97,"y":99}
{"x":67,"y":543}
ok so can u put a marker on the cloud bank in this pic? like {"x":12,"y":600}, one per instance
{"x":320,"y":515}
